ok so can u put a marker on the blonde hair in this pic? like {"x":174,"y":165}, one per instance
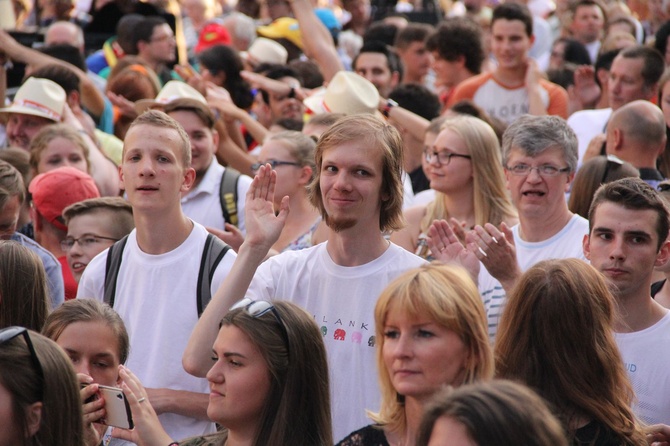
{"x":446,"y":294}
{"x":42,"y":139}
{"x":491,"y":201}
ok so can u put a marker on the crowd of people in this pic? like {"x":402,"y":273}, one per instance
{"x":335,"y":223}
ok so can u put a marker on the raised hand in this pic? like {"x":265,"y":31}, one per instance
{"x":446,"y":247}
{"x":495,"y":249}
{"x":263,"y":225}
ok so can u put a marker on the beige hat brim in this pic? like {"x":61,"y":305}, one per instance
{"x":146,"y":104}
{"x":26,"y":111}
{"x":315,"y":102}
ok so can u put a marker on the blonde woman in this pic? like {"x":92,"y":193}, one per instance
{"x":465,"y":169}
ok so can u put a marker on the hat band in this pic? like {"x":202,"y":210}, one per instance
{"x":39,"y":107}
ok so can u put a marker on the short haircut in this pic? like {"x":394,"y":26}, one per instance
{"x":20,"y":159}
{"x":413,"y":32}
{"x":367,"y":129}
{"x":194,"y":106}
{"x":581,"y":3}
{"x":309,"y":73}
{"x":67,"y":53}
{"x":11,"y":184}
{"x":514,"y":11}
{"x":653,"y":62}
{"x":500,"y":412}
{"x":125,"y":31}
{"x":143,"y":31}
{"x":456,"y":37}
{"x":381,"y":32}
{"x":417,"y":99}
{"x":628,"y":21}
{"x":88,"y":310}
{"x":634,"y":194}
{"x":42,"y":139}
{"x":642,"y":123}
{"x":116,"y":209}
{"x":157,"y":118}
{"x":535,"y":134}
{"x":392,"y":60}
{"x":325,"y":119}
{"x":604,"y":62}
{"x":61,"y":75}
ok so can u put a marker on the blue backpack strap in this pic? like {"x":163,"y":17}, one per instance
{"x":112,"y":268}
{"x":214,"y":251}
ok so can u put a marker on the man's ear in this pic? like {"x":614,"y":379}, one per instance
{"x":585,"y":247}
{"x":33,"y":418}
{"x":663,"y":254}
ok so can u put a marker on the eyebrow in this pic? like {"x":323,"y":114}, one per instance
{"x":97,"y":355}
{"x":600,"y":229}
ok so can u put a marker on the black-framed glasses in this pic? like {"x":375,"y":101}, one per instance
{"x":545,"y":170}
{"x":612,"y":160}
{"x":273,"y":164}
{"x":84,"y":241}
{"x":443,"y":158}
{"x":9,"y":333}
{"x":664,"y":186}
{"x":257,"y":308}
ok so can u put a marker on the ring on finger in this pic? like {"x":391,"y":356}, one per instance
{"x":141,"y":400}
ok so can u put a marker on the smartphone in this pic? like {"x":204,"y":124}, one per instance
{"x":116,"y":407}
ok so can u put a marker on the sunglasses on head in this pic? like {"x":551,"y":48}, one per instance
{"x":9,"y":333}
{"x":257,"y":308}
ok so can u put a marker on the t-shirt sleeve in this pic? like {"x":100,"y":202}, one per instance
{"x":466,"y":89}
{"x":558,"y":100}
{"x":92,"y":283}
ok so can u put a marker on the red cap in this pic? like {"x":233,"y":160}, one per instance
{"x":57,"y":189}
{"x":213,"y":34}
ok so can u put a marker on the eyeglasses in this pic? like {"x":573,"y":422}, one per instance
{"x":257,"y":308}
{"x":162,"y":38}
{"x":443,"y":157}
{"x":546,"y":170}
{"x":273,"y":164}
{"x":611,"y":160}
{"x":663,"y":187}
{"x":9,"y":333}
{"x":85,"y":242}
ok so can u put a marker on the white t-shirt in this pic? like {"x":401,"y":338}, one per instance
{"x":156,"y":298}
{"x":342,"y":300}
{"x":587,"y":124}
{"x":203,"y":203}
{"x":567,"y":243}
{"x":645,"y":356}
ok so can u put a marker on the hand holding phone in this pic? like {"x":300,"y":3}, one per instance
{"x":117,"y":409}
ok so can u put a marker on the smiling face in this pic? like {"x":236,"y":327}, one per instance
{"x":510,"y":43}
{"x":375,"y":68}
{"x":90,"y":226}
{"x":351,"y":181}
{"x":93,"y":348}
{"x":152,"y":172}
{"x":239,"y":381}
{"x":21,"y":129}
{"x":421,"y":356}
{"x":204,"y":140}
{"x":623,"y":245}
{"x":61,"y":152}
{"x":535,"y":195}
{"x":455,"y":176}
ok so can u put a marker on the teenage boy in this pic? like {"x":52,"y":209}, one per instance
{"x":516,"y":87}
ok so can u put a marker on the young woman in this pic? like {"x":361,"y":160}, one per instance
{"x":269,"y":382}
{"x":562,"y":310}
{"x":465,"y":169}
{"x":95,"y":338}
{"x":501,"y":413}
{"x":57,"y":146}
{"x":24,"y":300}
{"x":431,"y":333}
{"x":39,"y":395}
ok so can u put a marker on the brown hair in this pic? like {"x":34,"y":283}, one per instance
{"x":157,"y":118}
{"x":42,"y":139}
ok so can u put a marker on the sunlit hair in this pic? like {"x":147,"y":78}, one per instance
{"x":370,"y":131}
{"x":447,"y":295}
{"x":114,"y":213}
{"x":61,"y":414}
{"x":11,"y":184}
{"x":532,"y":135}
{"x":300,"y":146}
{"x":500,"y":413}
{"x":157,"y":118}
{"x":491,"y":200}
{"x":635,"y":194}
{"x":42,"y":139}
{"x":24,"y":298}
{"x":88,"y":310}
{"x":299,"y":391}
{"x":593,"y":173}
{"x":556,"y":336}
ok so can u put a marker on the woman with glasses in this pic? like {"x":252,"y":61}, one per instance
{"x":268,"y":382}
{"x":431,"y":333}
{"x":291,"y":155}
{"x":24,"y":299}
{"x":39,"y":394}
{"x":556,"y":337}
{"x":465,"y":169}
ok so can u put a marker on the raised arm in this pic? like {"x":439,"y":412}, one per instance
{"x":263,"y":230}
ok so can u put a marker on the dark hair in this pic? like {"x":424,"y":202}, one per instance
{"x":413,"y":32}
{"x":125,"y":30}
{"x":575,"y":52}
{"x":381,"y":32}
{"x":653,"y":62}
{"x":467,"y":107}
{"x":604,"y":62}
{"x":67,"y":53}
{"x":661,"y":41}
{"x":417,"y":99}
{"x":289,"y":124}
{"x":143,"y":31}
{"x":392,"y":60}
{"x":456,"y":37}
{"x":635,"y":194}
{"x":514,"y":11}
{"x":222,"y":58}
{"x":499,"y":412}
{"x":309,"y":72}
{"x":563,"y":76}
{"x":201,"y":110}
{"x":61,"y":75}
{"x":277,"y":72}
{"x":578,"y":4}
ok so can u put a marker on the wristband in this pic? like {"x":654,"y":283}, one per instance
{"x":390,"y":103}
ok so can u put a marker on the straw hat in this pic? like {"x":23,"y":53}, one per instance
{"x":346,"y":93}
{"x":39,"y":97}
{"x":171,"y":91}
{"x":265,"y":50}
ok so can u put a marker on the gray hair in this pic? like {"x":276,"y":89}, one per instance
{"x":535,"y":134}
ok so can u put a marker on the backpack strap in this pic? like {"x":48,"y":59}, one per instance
{"x":214,"y":251}
{"x":228,"y":195}
{"x":112,"y":268}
